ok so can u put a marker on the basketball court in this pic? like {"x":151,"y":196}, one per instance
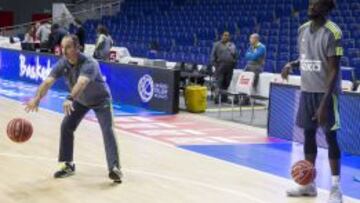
{"x":165,"y":158}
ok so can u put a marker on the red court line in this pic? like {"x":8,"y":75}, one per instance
{"x":183,"y":129}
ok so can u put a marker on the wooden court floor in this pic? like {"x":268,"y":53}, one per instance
{"x":154,"y":172}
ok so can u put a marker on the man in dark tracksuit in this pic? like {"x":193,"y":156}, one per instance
{"x":88,"y":91}
{"x":223,"y":57}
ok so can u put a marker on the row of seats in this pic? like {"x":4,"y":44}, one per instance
{"x":241,"y":86}
{"x":242,"y":82}
{"x":186,"y":30}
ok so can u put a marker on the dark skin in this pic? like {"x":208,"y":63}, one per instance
{"x":317,"y":12}
{"x":225,"y":37}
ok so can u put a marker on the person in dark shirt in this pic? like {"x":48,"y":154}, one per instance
{"x":224,"y":57}
{"x":103,"y":44}
{"x":81,"y":34}
{"x":56,"y":36}
{"x":89,"y":91}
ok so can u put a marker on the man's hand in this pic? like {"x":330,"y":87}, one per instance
{"x":320,"y":116}
{"x":32,"y":105}
{"x":68,"y":107}
{"x":321,"y":113}
{"x":286,"y":71}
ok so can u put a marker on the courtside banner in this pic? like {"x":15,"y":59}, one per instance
{"x":283,"y":107}
{"x":147,"y":87}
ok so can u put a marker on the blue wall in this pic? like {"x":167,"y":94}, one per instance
{"x":283,"y":109}
{"x":147,"y":87}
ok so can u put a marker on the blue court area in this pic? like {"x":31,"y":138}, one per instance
{"x":277,"y":159}
{"x":23,"y":91}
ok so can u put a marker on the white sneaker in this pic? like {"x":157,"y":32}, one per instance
{"x":307,"y":190}
{"x":335,"y":195}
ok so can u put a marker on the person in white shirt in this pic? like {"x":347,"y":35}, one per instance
{"x":103,"y":44}
{"x":43,"y":33}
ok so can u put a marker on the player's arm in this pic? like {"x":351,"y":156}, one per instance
{"x":331,"y":87}
{"x":334,"y":51}
{"x":334,"y":66}
{"x":80,"y":85}
{"x":213,"y":56}
{"x":78,"y":88}
{"x":33,"y":104}
{"x":289,"y":67}
{"x":44,"y":87}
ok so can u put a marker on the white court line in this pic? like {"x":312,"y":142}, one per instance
{"x":171,"y":178}
{"x":320,"y":190}
{"x":247,"y":127}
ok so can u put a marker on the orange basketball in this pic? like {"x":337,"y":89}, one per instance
{"x":19,"y":130}
{"x":303,"y":172}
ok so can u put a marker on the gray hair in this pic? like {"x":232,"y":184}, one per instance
{"x":256,"y":35}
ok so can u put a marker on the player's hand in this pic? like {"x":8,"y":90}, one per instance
{"x":32,"y":105}
{"x":286,"y":71}
{"x":320,"y":115}
{"x":68,"y":107}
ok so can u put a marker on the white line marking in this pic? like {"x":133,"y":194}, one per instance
{"x":170,"y":178}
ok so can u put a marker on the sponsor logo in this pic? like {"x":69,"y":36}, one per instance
{"x":33,"y":71}
{"x":146,"y":88}
{"x":310,"y":65}
{"x":161,"y":91}
{"x":244,"y":80}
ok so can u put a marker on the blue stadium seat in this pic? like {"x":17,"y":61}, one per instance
{"x":284,"y":48}
{"x":353,"y":53}
{"x":272,"y":47}
{"x":348,"y":73}
{"x":271,"y":55}
{"x":191,"y":27}
{"x":355,"y":62}
{"x":284,"y":56}
{"x":344,"y":61}
{"x":270,"y":66}
{"x":294,"y":56}
{"x":349,"y":43}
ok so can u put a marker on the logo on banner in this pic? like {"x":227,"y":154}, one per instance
{"x":34,"y":71}
{"x":146,"y":88}
{"x":244,"y":80}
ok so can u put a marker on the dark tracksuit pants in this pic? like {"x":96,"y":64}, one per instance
{"x":70,"y":123}
{"x":223,"y":76}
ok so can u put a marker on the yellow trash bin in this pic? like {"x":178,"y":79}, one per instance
{"x":196,"y":98}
